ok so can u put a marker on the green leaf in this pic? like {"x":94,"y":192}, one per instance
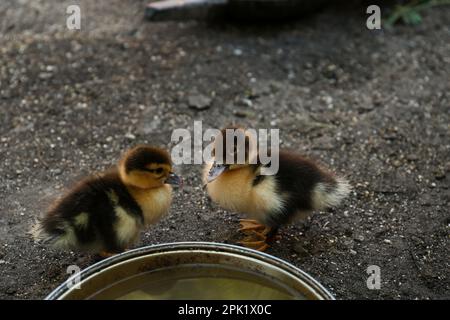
{"x":412,"y":18}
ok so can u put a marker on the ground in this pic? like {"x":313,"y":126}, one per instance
{"x":371,"y":105}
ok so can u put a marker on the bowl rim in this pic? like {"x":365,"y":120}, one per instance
{"x":97,"y":267}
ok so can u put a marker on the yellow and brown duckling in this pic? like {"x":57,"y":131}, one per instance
{"x":104,"y":213}
{"x":298,"y":188}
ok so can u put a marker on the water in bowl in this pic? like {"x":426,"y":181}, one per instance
{"x":198,"y":282}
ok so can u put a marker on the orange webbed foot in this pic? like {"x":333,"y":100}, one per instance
{"x":249,"y":225}
{"x":256,"y":234}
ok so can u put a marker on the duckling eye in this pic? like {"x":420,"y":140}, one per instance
{"x":159,"y":170}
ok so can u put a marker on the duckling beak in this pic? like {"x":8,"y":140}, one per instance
{"x":174,"y":179}
{"x":215,"y":171}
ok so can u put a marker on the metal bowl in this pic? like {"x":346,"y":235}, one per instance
{"x":192,"y":270}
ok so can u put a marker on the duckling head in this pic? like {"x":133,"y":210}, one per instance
{"x":232,"y":151}
{"x":147,"y":167}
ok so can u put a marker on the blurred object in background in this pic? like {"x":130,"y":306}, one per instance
{"x":245,"y":10}
{"x":410,"y":12}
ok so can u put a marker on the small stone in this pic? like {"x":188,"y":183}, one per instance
{"x":328,"y":101}
{"x":10,"y":290}
{"x":81,"y":106}
{"x":188,"y":189}
{"x":247,"y":102}
{"x":45,"y":75}
{"x":300,"y":250}
{"x":330,"y":71}
{"x":130,"y":136}
{"x":353,"y":252}
{"x":390,"y":136}
{"x":387,"y":241}
{"x":366,"y":107}
{"x":359,"y":238}
{"x":258,"y":89}
{"x":5,"y":94}
{"x":348,"y":243}
{"x":412,"y":157}
{"x":199,"y":102}
{"x":240,"y":113}
{"x":426,"y":200}
{"x":237,"y":52}
{"x":440,"y":174}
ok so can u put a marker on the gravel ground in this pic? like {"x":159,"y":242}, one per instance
{"x":372,"y":105}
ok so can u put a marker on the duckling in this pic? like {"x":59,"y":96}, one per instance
{"x":104,"y":213}
{"x":298,"y":188}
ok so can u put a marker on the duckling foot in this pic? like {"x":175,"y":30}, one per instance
{"x":255,"y":240}
{"x":248,"y":225}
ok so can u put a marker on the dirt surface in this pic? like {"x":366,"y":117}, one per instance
{"x":372,"y":105}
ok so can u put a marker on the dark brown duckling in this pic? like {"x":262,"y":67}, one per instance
{"x":298,"y":188}
{"x":104,"y":213}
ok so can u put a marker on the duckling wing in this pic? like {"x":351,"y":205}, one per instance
{"x":86,"y":214}
{"x":305,"y":186}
